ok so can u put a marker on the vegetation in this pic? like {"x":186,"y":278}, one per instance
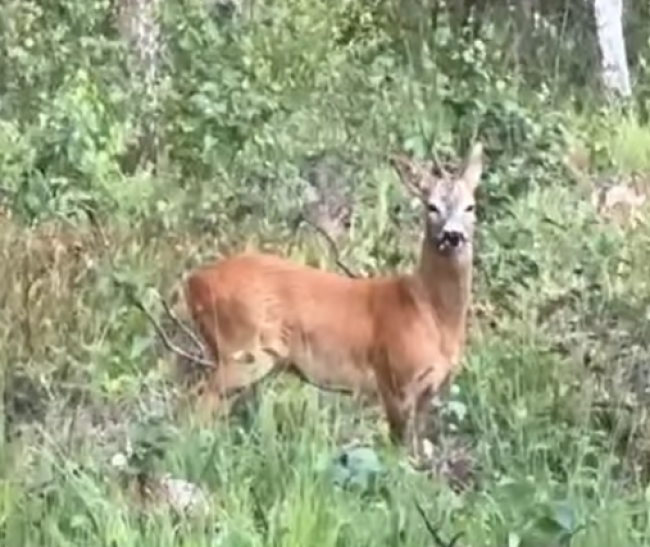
{"x":119,"y":171}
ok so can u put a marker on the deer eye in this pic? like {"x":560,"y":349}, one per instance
{"x":469,"y":208}
{"x":433,"y":209}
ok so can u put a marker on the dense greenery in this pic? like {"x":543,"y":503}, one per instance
{"x":255,"y":110}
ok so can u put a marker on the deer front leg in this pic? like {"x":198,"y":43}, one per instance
{"x":435,"y":402}
{"x":395,"y":416}
{"x":424,"y":446}
{"x":404,"y":413}
{"x":413,"y":437}
{"x":418,"y":404}
{"x":418,"y":451}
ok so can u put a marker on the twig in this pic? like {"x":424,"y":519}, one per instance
{"x":436,"y":537}
{"x":161,"y":332}
{"x":188,"y":331}
{"x":97,"y":227}
{"x":99,"y":233}
{"x":259,"y":514}
{"x":332,"y":246}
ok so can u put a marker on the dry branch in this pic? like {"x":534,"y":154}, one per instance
{"x":166,"y":340}
{"x":434,"y":533}
{"x":332,"y":246}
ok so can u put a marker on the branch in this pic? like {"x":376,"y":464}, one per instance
{"x":131,"y":295}
{"x":133,"y":298}
{"x":436,"y":537}
{"x":332,"y":246}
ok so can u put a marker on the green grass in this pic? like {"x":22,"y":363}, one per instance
{"x":545,"y":425}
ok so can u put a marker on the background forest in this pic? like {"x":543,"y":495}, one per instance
{"x":140,"y":138}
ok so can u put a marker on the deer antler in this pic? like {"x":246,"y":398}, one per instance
{"x":436,"y":537}
{"x":131,"y":295}
{"x":437,"y":164}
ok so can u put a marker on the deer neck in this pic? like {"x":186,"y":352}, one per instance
{"x":446,"y":284}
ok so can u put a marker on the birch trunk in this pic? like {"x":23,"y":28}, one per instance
{"x":609,"y":27}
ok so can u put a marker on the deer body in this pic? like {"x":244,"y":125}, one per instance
{"x":396,"y":337}
{"x":259,"y":303}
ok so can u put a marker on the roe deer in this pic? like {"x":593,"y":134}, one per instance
{"x":398,"y":337}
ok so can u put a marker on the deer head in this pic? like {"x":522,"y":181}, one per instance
{"x":447,"y":200}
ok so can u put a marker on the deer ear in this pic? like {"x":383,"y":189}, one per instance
{"x":474,"y":166}
{"x":411,"y":175}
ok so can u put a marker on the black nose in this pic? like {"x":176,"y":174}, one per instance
{"x":453,"y":239}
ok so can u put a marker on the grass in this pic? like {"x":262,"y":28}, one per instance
{"x":549,"y":403}
{"x":528,"y":408}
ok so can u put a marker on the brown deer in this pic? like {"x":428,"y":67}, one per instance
{"x":398,"y":337}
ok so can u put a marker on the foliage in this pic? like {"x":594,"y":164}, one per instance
{"x":261,"y":110}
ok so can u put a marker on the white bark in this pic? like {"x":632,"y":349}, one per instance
{"x":609,"y":26}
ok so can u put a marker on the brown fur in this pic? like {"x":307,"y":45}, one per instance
{"x":399,"y":337}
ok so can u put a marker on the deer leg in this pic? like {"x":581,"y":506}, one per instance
{"x":234,"y":369}
{"x":412,"y":437}
{"x":394,"y":410}
{"x":230,"y":377}
{"x":422,"y":446}
{"x":418,"y":404}
{"x":435,"y":401}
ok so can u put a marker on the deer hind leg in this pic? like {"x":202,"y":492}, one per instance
{"x":234,"y":369}
{"x":231,"y":377}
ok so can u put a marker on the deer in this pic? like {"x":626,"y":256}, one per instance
{"x":396,"y":338}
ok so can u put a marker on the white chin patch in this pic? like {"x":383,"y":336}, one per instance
{"x":445,"y":247}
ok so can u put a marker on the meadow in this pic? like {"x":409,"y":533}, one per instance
{"x":289,"y":111}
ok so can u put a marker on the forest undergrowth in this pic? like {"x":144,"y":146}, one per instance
{"x":261,"y":121}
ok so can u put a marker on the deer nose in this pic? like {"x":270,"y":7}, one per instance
{"x":453,"y":237}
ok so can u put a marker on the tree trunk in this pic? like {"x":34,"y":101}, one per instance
{"x":609,"y":28}
{"x":138,"y":25}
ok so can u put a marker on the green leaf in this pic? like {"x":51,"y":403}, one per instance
{"x":357,"y":467}
{"x":565,"y":517}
